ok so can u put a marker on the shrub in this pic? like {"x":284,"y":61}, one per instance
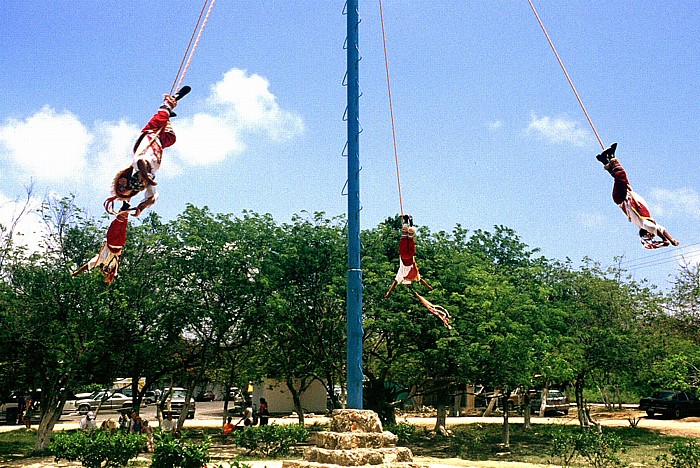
{"x":683,"y":455}
{"x":175,"y":453}
{"x":598,"y":449}
{"x":97,"y":449}
{"x":403,"y":431}
{"x":270,"y":440}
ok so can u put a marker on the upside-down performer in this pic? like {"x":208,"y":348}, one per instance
{"x":157,"y":135}
{"x":408,"y":270}
{"x":111,"y":251}
{"x":148,"y":152}
{"x":633,"y":205}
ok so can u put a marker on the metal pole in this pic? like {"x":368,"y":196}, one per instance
{"x":354,"y":275}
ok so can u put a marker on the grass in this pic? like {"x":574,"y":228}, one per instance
{"x":470,"y":442}
{"x":483,"y":442}
{"x":17,"y":444}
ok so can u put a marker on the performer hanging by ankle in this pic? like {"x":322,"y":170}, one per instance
{"x":148,"y":152}
{"x":633,"y":205}
{"x":408,"y":269}
{"x":157,"y":135}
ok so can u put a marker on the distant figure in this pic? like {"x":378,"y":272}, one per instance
{"x":168,"y":425}
{"x":134,"y":423}
{"x":228,"y":427}
{"x":123,"y":422}
{"x":147,"y":430}
{"x":247,"y":415}
{"x":109,"y":425}
{"x":88,"y":423}
{"x":263,"y":412}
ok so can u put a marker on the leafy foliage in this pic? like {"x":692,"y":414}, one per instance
{"x":97,"y":449}
{"x":597,"y":449}
{"x":404,"y":431}
{"x":270,"y":440}
{"x":172,"y":452}
{"x":682,"y":455}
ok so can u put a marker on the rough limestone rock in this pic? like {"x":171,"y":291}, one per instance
{"x":308,"y":464}
{"x":352,"y":420}
{"x":359,"y":457}
{"x":353,"y":440}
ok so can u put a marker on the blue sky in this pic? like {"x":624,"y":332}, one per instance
{"x":488,"y":129}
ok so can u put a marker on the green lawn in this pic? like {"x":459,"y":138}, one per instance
{"x":483,"y":442}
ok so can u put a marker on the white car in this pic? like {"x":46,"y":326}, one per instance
{"x":70,"y":405}
{"x":175,"y":401}
{"x":108,"y":401}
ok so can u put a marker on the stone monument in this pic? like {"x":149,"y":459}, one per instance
{"x":355,"y":439}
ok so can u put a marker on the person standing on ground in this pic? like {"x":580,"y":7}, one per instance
{"x":263,"y":412}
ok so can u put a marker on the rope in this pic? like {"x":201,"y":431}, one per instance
{"x":184,"y":66}
{"x":571,"y":83}
{"x":391,"y":108}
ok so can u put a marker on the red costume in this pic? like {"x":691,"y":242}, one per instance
{"x":632,"y":204}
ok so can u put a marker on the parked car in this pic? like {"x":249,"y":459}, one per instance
{"x":207,"y":395}
{"x":110,"y":401}
{"x":174,"y":402}
{"x":150,"y":397}
{"x":10,"y":410}
{"x":670,"y":403}
{"x":557,"y":402}
{"x":235,"y":395}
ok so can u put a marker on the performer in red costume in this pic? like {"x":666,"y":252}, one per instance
{"x":408,"y":271}
{"x":633,"y":205}
{"x":157,"y":135}
{"x":111,"y":251}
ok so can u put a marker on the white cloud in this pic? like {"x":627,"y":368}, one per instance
{"x":206,"y":139}
{"x":48,"y":146}
{"x":683,"y":201}
{"x":56,"y":147}
{"x":558,"y":130}
{"x":592,"y":220}
{"x":495,"y":125}
{"x":246,"y":101}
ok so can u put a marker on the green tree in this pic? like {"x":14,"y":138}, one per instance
{"x":303,"y":327}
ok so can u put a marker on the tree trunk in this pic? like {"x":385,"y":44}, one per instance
{"x":51,"y":410}
{"x":471,"y":406}
{"x":506,"y":424}
{"x":296,"y":398}
{"x":527,"y":424}
{"x":186,"y":406}
{"x":457,"y":403}
{"x":441,"y":421}
{"x":492,"y":403}
{"x":543,"y":401}
{"x":580,"y":402}
{"x":618,"y":396}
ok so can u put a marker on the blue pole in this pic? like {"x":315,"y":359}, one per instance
{"x":354,"y":275}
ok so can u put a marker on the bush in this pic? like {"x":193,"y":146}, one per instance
{"x":175,"y":453}
{"x":97,"y":449}
{"x":270,"y":440}
{"x":683,"y":455}
{"x":598,"y":449}
{"x":403,"y":431}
